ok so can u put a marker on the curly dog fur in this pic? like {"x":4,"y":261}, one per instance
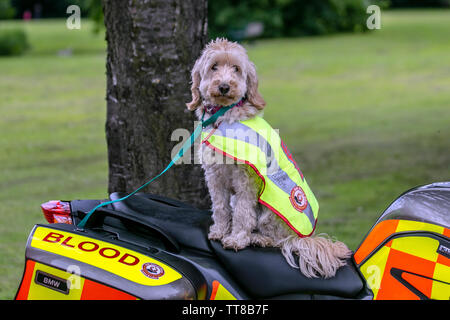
{"x":222,"y":75}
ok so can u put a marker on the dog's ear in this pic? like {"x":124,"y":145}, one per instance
{"x":196,"y":96}
{"x":253,"y":95}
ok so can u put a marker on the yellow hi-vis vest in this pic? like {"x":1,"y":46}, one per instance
{"x":285,"y":190}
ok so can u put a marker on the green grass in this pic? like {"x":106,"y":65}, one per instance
{"x":366,"y":116}
{"x":52,"y":138}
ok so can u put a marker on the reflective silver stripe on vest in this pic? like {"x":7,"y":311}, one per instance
{"x":280,"y":178}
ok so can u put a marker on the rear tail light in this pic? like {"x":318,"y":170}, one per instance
{"x":56,"y":211}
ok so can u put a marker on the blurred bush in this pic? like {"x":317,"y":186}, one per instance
{"x":48,"y":8}
{"x":324,"y":17}
{"x":13,"y":42}
{"x":420,"y":3}
{"x":228,"y":17}
{"x":6,"y":9}
{"x":288,"y":17}
{"x":95,"y":12}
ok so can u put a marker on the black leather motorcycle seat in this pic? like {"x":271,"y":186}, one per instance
{"x":264,"y":273}
{"x":184,"y":223}
{"x":261,"y":272}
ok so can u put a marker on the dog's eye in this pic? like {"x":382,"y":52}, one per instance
{"x":236,"y":68}
{"x":214,"y":67}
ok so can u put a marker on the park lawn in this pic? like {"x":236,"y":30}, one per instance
{"x":366,"y":116}
{"x":52,"y":137}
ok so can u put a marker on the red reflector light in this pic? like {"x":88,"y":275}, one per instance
{"x":56,"y":211}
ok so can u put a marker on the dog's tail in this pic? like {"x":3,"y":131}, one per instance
{"x":317,"y":255}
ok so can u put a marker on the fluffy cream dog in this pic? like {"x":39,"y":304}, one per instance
{"x":221,"y":76}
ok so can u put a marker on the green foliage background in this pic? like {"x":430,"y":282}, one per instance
{"x":288,"y":17}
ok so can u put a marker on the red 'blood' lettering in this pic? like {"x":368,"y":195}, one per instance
{"x":115,"y":254}
{"x":52,"y":235}
{"x":65,"y":242}
{"x":85,"y":246}
{"x":129,"y":260}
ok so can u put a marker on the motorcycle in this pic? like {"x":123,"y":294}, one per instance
{"x":152,"y":247}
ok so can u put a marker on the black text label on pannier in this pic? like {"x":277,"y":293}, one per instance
{"x":443,"y":250}
{"x":51,"y":282}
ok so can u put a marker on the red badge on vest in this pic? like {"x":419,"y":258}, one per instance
{"x":298,"y":199}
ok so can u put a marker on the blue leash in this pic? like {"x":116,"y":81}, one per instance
{"x":186,"y":146}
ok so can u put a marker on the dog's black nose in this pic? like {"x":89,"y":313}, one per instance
{"x":224,"y":88}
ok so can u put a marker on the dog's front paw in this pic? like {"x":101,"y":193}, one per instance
{"x":216,"y":233}
{"x":236,"y":241}
{"x":261,"y":240}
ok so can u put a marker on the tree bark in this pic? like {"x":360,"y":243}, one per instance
{"x":152,"y":46}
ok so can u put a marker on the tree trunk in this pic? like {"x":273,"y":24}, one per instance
{"x":152,"y":46}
